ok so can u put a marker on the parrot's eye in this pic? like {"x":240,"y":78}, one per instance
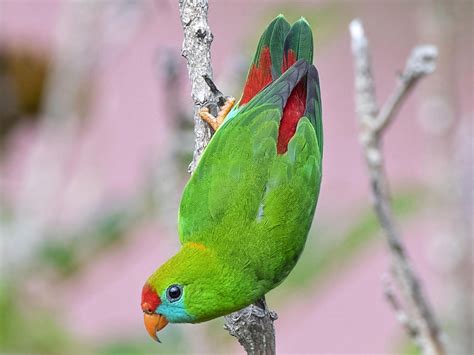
{"x":174,"y":292}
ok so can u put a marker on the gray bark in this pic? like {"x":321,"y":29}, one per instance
{"x":197,"y":52}
{"x":415,"y":312}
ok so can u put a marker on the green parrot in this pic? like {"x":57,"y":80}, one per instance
{"x":246,"y":211}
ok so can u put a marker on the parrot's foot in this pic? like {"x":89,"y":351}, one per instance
{"x":215,"y":122}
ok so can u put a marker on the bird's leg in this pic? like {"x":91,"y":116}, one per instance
{"x":215,"y":122}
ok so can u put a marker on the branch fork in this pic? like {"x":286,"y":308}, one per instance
{"x":415,"y":314}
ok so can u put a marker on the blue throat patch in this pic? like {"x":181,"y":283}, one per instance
{"x":175,"y":312}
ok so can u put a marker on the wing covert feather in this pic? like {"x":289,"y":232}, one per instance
{"x":228,"y":182}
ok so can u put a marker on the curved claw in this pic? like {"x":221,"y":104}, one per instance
{"x":215,"y":122}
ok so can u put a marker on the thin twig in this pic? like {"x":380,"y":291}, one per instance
{"x":393,"y":300}
{"x":423,"y":326}
{"x":253,"y":325}
{"x":420,"y":63}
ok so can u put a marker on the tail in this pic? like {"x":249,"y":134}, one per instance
{"x":280,"y":46}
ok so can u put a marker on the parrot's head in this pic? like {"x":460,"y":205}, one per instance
{"x":193,"y":286}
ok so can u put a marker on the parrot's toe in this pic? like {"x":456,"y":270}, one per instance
{"x":215,"y":122}
{"x":225,"y":109}
{"x":208,"y":118}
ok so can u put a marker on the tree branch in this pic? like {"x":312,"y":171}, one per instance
{"x":418,"y":316}
{"x":420,"y":63}
{"x":253,"y":325}
{"x":197,"y":51}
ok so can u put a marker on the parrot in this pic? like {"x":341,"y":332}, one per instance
{"x":246,"y":210}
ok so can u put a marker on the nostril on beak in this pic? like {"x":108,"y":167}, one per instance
{"x":147,"y":308}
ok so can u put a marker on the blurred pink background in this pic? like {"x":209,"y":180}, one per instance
{"x":90,"y":197}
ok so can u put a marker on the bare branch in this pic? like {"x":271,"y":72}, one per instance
{"x":364,"y":82}
{"x":423,"y":327}
{"x":197,"y":51}
{"x":393,"y":300}
{"x":253,"y":325}
{"x":420,"y":63}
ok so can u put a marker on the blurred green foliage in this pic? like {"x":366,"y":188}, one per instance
{"x":173,"y":343}
{"x":128,"y":347}
{"x":59,"y":255}
{"x":410,"y":348}
{"x":26,"y":327}
{"x":67,"y":250}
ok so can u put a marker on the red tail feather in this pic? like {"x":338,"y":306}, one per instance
{"x":294,"y":109}
{"x":259,"y":76}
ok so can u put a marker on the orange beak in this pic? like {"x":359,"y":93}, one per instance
{"x":154,"y":323}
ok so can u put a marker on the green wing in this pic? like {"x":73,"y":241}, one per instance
{"x":243,"y":195}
